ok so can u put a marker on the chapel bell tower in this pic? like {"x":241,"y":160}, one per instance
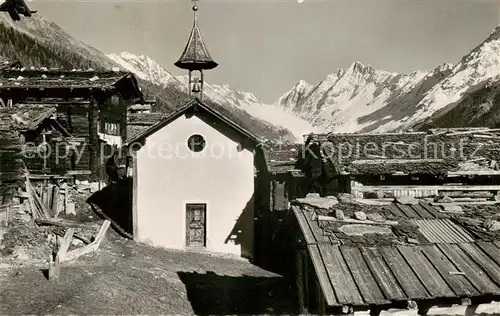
{"x":196,"y":58}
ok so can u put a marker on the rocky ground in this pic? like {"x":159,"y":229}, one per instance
{"x":124,"y":277}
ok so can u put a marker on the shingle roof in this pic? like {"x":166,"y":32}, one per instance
{"x":282,"y":158}
{"x":12,"y":121}
{"x":352,"y":153}
{"x":56,"y":78}
{"x":138,"y":123}
{"x":195,"y":55}
{"x":401,"y":252}
{"x":24,"y":116}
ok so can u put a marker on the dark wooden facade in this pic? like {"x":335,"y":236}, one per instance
{"x":278,"y":182}
{"x":331,"y":161}
{"x":86,"y":102}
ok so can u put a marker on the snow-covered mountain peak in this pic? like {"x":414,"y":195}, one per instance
{"x":444,"y":67}
{"x":145,"y":68}
{"x":358,"y":66}
{"x":362,"y":98}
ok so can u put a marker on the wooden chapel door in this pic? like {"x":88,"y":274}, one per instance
{"x":196,"y":215}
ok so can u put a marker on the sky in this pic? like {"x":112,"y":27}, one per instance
{"x":267,"y":46}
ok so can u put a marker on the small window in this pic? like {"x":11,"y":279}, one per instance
{"x":196,"y":143}
{"x":111,"y":129}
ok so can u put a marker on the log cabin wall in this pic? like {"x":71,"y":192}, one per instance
{"x":81,"y":97}
{"x":74,"y":118}
{"x":51,"y":158}
{"x":83,"y":121}
{"x":435,"y":158}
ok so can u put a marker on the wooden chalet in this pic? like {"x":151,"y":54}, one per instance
{"x":45,"y":146}
{"x":90,"y":107}
{"x":352,"y":255}
{"x":403,"y":162}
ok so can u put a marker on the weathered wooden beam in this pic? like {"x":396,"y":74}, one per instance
{"x":93,"y":117}
{"x":47,"y":176}
{"x":354,"y":221}
{"x":93,"y":246}
{"x":467,"y":203}
{"x":59,"y":222}
{"x":54,"y":268}
{"x":65,"y":243}
{"x":371,"y":188}
{"x":394,"y":161}
{"x":474,"y":173}
{"x":80,"y":237}
{"x":54,"y":264}
{"x":78,"y":172}
{"x":470,"y":131}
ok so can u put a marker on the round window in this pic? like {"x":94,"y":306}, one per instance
{"x":196,"y":143}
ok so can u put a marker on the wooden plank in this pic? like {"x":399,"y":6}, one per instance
{"x":370,"y":188}
{"x":468,"y":203}
{"x":76,"y":139}
{"x":422,"y":211}
{"x":497,"y":243}
{"x":383,"y":275}
{"x":429,"y":277}
{"x":304,"y":227}
{"x":74,"y":254}
{"x":318,"y":233}
{"x":407,"y":278}
{"x":474,"y":173}
{"x":407,"y":210}
{"x":54,"y":268}
{"x":61,"y":222}
{"x":429,"y":208}
{"x":78,"y":172}
{"x":481,"y":259}
{"x":340,"y":277}
{"x":50,"y":196}
{"x":39,"y":205}
{"x":472,"y":272}
{"x":46,"y":176}
{"x":355,"y":221}
{"x":491,"y":250}
{"x":43,"y":193}
{"x":364,"y":279}
{"x":31,"y":201}
{"x":395,"y":211}
{"x":55,"y":199}
{"x":65,"y":243}
{"x":323,"y":278}
{"x":459,"y":283}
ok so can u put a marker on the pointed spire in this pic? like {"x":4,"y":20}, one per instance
{"x":195,"y":55}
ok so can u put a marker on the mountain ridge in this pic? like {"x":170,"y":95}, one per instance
{"x":361,"y":98}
